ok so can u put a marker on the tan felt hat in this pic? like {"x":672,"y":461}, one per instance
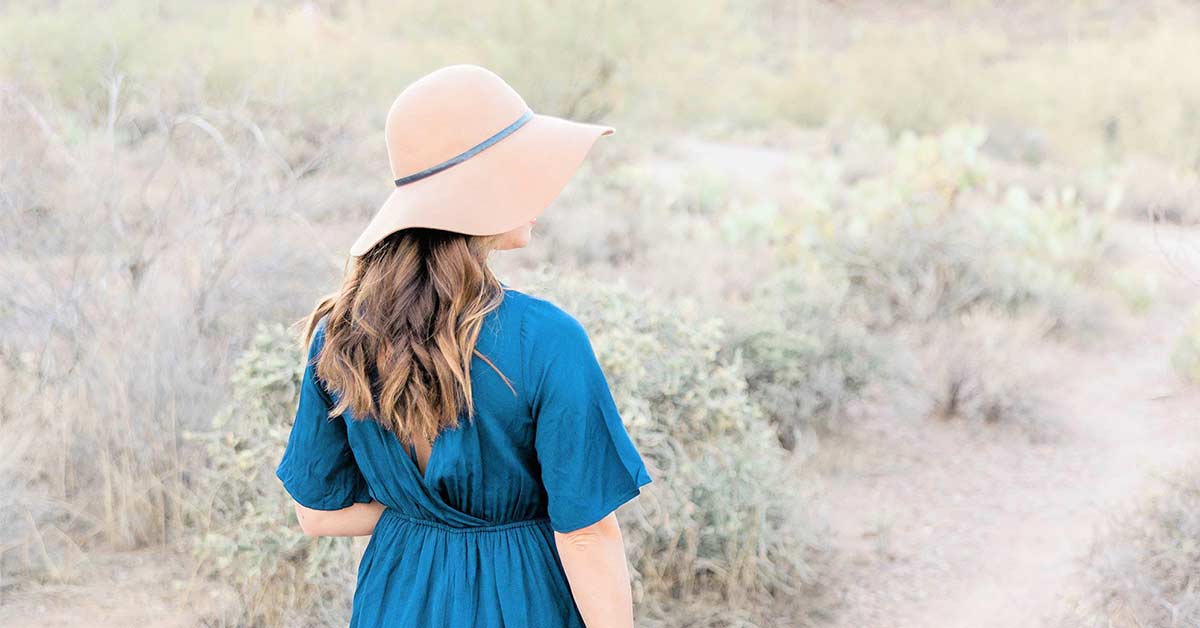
{"x":469,"y":156}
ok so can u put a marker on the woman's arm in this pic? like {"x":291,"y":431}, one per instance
{"x":355,"y":520}
{"x":594,"y":560}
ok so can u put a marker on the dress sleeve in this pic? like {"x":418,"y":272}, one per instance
{"x":318,"y":468}
{"x":589,"y":465}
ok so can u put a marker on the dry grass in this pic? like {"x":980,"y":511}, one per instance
{"x":1142,"y":571}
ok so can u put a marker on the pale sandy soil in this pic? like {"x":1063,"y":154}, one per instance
{"x":144,"y":589}
{"x":946,"y":525}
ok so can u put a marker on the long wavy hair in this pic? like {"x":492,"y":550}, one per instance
{"x":401,"y":332}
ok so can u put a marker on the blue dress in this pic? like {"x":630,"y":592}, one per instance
{"x":470,"y":543}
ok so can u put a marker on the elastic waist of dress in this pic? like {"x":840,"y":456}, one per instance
{"x":523,"y":523}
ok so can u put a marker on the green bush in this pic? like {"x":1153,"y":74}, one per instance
{"x":247,"y":535}
{"x":930,"y":235}
{"x":879,"y":262}
{"x":723,"y":527}
{"x":719,"y":536}
{"x":1185,"y":357}
{"x":805,"y":360}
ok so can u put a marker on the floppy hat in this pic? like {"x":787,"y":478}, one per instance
{"x":469,"y":156}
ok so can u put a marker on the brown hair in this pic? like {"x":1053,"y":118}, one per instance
{"x":401,"y":332}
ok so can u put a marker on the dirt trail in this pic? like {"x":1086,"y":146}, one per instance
{"x":944,"y":525}
{"x":145,"y":588}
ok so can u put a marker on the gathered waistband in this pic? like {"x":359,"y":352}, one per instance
{"x":523,"y":523}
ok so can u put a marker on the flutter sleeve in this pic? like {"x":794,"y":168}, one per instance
{"x":318,"y":468}
{"x":589,"y":464}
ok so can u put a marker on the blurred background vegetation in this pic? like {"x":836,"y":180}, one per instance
{"x":897,"y":299}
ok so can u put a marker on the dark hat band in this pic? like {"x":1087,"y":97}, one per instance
{"x":465,"y":155}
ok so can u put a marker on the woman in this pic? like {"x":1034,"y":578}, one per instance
{"x":466,"y":426}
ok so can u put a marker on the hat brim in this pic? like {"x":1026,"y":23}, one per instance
{"x":494,"y":191}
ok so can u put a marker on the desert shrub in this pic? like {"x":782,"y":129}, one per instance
{"x":882,"y":273}
{"x":1050,"y":252}
{"x":703,"y":191}
{"x":1136,"y":290}
{"x":1185,"y":356}
{"x":1160,"y":192}
{"x":1118,"y":90}
{"x":246,"y":533}
{"x":977,"y":369}
{"x":930,"y":236}
{"x":856,"y":256}
{"x":1143,"y":569}
{"x":132,"y":289}
{"x":721,"y":538}
{"x":805,"y":360}
{"x":111,"y":335}
{"x":282,"y":56}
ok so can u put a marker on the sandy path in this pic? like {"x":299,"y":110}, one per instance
{"x":950,"y":525}
{"x":146,"y":588}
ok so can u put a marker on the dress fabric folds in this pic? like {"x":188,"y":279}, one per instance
{"x":470,"y":542}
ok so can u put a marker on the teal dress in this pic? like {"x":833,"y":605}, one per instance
{"x":470,"y":542}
